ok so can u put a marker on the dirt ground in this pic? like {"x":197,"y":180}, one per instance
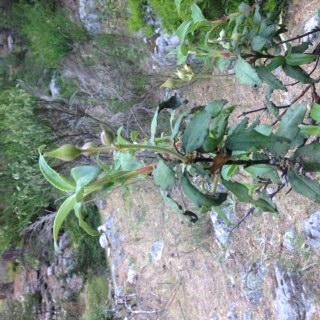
{"x":195,"y":277}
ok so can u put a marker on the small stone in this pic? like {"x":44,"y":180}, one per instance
{"x":290,"y":241}
{"x":312,"y":230}
{"x":310,"y":25}
{"x":65,"y":241}
{"x":103,"y":240}
{"x":156,"y":250}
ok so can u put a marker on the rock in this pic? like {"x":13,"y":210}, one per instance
{"x":132,"y":275}
{"x":65,"y":241}
{"x":103,"y":240}
{"x":312,"y":230}
{"x":252,"y":283}
{"x":89,"y":16}
{"x":55,"y":90}
{"x":221,"y":230}
{"x":310,"y":25}
{"x":50,"y":271}
{"x":232,"y":314}
{"x":293,"y":300}
{"x":156,"y":250}
{"x":290,"y":241}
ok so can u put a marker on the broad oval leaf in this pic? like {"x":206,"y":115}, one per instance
{"x":304,"y":186}
{"x":83,"y":175}
{"x":247,"y":74}
{"x":163,"y":176}
{"x":54,"y":177}
{"x":289,"y":123}
{"x":63,"y":212}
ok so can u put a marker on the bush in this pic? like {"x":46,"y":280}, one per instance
{"x":24,"y":192}
{"x":49,"y":31}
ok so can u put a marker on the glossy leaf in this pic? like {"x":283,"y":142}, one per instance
{"x":247,"y":74}
{"x":54,"y":177}
{"x":163,"y":176}
{"x":198,"y":198}
{"x":275,"y":63}
{"x":63,"y":212}
{"x":304,"y":186}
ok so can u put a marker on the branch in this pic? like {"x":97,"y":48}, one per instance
{"x":301,"y":36}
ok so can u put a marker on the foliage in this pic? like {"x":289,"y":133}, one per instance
{"x":202,"y":147}
{"x":97,"y":292}
{"x":24,"y":192}
{"x":91,"y":259}
{"x":50,"y":32}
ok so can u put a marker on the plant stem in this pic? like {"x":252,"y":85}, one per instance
{"x":301,"y":36}
{"x":157,"y":149}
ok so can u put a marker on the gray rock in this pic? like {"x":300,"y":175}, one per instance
{"x":248,"y":315}
{"x":312,"y":230}
{"x":221,"y":230}
{"x":65,"y":241}
{"x":252,"y":283}
{"x":310,"y":25}
{"x":293,"y":299}
{"x":89,"y":16}
{"x":157,"y":250}
{"x":290,"y":240}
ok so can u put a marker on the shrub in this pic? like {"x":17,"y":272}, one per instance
{"x":23,"y":189}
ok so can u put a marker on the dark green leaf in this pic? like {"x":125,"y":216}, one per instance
{"x":297,"y":73}
{"x":297,"y":59}
{"x":198,"y":198}
{"x":289,"y":123}
{"x":163,"y":176}
{"x":269,"y":78}
{"x":258,"y":42}
{"x":177,"y":125}
{"x":214,"y":108}
{"x":275,"y":63}
{"x":309,"y":156}
{"x":239,"y":190}
{"x":304,"y":186}
{"x":300,"y":48}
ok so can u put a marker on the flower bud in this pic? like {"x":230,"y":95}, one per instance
{"x":87,"y":146}
{"x":66,"y":152}
{"x":169,"y":84}
{"x":107,"y":136}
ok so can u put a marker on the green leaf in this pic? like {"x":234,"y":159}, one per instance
{"x":300,"y":48}
{"x":297,"y":73}
{"x":315,"y":112}
{"x":309,"y":156}
{"x":183,"y":30}
{"x":239,"y":190}
{"x":214,"y":107}
{"x":120,"y":138}
{"x":82,"y":223}
{"x":258,"y":42}
{"x":154,"y":124}
{"x":63,"y":212}
{"x":247,"y":74}
{"x":126,"y":161}
{"x":304,"y":186}
{"x":54,"y":177}
{"x":289,"y":123}
{"x":264,"y":171}
{"x":163,"y":176}
{"x":269,"y":78}
{"x":272,"y":108}
{"x":297,"y":59}
{"x":177,"y":125}
{"x":200,"y":199}
{"x":228,"y":171}
{"x":66,"y":152}
{"x":275,"y":63}
{"x":178,"y":5}
{"x":196,"y":13}
{"x":250,"y":140}
{"x":264,"y":129}
{"x":310,"y":131}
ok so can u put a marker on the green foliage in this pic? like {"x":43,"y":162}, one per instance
{"x":24,"y":191}
{"x":91,"y":258}
{"x":50,"y":33}
{"x":206,"y":148}
{"x":97,"y":293}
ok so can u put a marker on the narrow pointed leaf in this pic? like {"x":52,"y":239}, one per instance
{"x":54,"y":177}
{"x":82,"y":223}
{"x":270,"y":79}
{"x":304,"y":186}
{"x":315,"y":112}
{"x":297,"y":73}
{"x":154,"y":124}
{"x":63,"y":212}
{"x":309,"y":157}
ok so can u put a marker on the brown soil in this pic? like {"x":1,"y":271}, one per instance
{"x":195,"y":277}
